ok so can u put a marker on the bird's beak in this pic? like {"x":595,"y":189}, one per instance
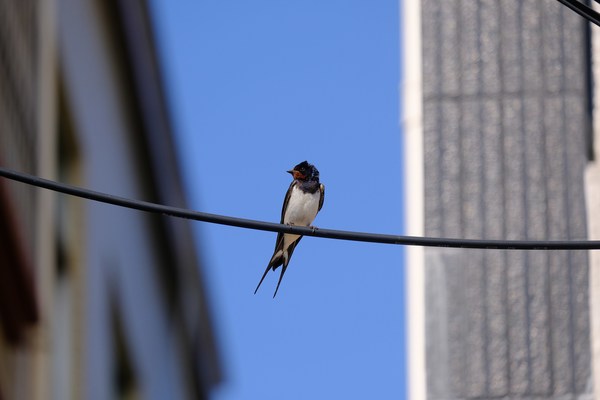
{"x":296,"y":174}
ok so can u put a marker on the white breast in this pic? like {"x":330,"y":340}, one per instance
{"x":302,"y":207}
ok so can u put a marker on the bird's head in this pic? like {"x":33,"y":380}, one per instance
{"x":305,"y":172}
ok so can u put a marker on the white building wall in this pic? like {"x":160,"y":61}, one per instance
{"x":412,"y":127}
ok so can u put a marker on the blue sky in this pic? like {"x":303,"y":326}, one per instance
{"x":255,"y":87}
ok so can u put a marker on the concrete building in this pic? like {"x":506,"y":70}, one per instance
{"x":96,"y":302}
{"x":498,"y":121}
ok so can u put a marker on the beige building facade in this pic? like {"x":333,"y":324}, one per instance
{"x":96,"y":302}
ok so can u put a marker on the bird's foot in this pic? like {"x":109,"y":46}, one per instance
{"x":313,"y":228}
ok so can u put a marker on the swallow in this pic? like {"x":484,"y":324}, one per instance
{"x":303,"y":200}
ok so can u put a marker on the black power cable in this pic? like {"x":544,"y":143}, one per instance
{"x":273,"y":227}
{"x":582,"y":9}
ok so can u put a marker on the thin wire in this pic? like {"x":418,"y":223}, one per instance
{"x":584,"y":10}
{"x":299,"y":230}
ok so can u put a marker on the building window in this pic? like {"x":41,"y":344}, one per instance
{"x":124,"y":378}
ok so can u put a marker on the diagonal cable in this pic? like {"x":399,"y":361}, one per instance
{"x":582,"y":9}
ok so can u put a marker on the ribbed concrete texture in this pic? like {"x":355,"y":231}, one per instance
{"x":506,"y":127}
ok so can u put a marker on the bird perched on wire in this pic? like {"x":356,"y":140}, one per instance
{"x":303,"y":201}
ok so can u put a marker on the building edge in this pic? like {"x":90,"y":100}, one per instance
{"x":592,"y":199}
{"x":412,"y":127}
